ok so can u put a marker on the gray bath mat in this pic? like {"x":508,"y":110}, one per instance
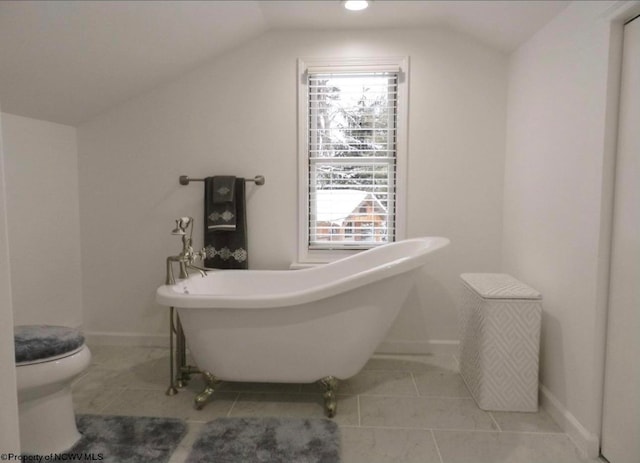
{"x":268,"y":440}
{"x":128,"y":439}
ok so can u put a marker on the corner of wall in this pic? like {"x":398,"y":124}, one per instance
{"x":586,"y":36}
{"x":587,"y":442}
{"x":9,"y":429}
{"x":45,"y":154}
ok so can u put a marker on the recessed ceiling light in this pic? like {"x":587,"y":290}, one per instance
{"x":356,"y":5}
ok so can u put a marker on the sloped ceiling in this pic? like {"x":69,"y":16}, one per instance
{"x":67,"y":61}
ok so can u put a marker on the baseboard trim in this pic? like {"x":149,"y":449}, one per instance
{"x":433,"y":346}
{"x":101,"y":338}
{"x":586,"y":442}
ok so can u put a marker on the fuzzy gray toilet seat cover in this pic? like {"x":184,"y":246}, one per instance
{"x":37,"y":342}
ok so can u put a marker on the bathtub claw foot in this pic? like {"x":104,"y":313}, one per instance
{"x":330,"y":384}
{"x":202,"y":398}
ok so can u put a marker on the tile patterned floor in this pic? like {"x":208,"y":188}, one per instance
{"x":399,"y":409}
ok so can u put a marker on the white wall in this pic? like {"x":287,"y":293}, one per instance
{"x":41,"y":163}
{"x":562,"y":107}
{"x":9,"y":429}
{"x":237,"y":115}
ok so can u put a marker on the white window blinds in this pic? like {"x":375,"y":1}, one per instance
{"x":352,"y":124}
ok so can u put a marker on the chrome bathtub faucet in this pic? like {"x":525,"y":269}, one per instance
{"x":179,"y":372}
{"x":187,"y":256}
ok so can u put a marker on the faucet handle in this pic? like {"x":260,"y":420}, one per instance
{"x":201,"y":254}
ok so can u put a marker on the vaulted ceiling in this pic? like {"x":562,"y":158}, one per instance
{"x":66,"y":61}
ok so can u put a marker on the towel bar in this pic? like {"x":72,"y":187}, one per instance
{"x":184,"y":180}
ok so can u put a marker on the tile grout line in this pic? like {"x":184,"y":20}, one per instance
{"x":445,"y":397}
{"x":174,"y":457}
{"x":415,"y":384}
{"x":109,"y":402}
{"x":435,"y":442}
{"x":467,"y":430}
{"x":494,"y":421}
{"x":233,"y":404}
{"x":456,"y":361}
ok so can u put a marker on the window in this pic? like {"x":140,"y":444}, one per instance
{"x":352,"y":148}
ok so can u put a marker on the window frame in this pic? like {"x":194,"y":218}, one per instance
{"x":305,"y":255}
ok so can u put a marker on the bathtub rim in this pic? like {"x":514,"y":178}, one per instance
{"x":170,"y":296}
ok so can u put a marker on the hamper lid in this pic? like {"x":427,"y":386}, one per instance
{"x":499,"y":286}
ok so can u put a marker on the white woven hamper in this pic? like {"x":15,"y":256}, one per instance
{"x":500,"y":341}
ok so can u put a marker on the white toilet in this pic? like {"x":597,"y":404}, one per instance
{"x":48,"y":359}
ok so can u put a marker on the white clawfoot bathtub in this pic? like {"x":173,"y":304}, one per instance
{"x":296,"y":325}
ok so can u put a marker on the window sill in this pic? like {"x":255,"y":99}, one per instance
{"x":313,"y":258}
